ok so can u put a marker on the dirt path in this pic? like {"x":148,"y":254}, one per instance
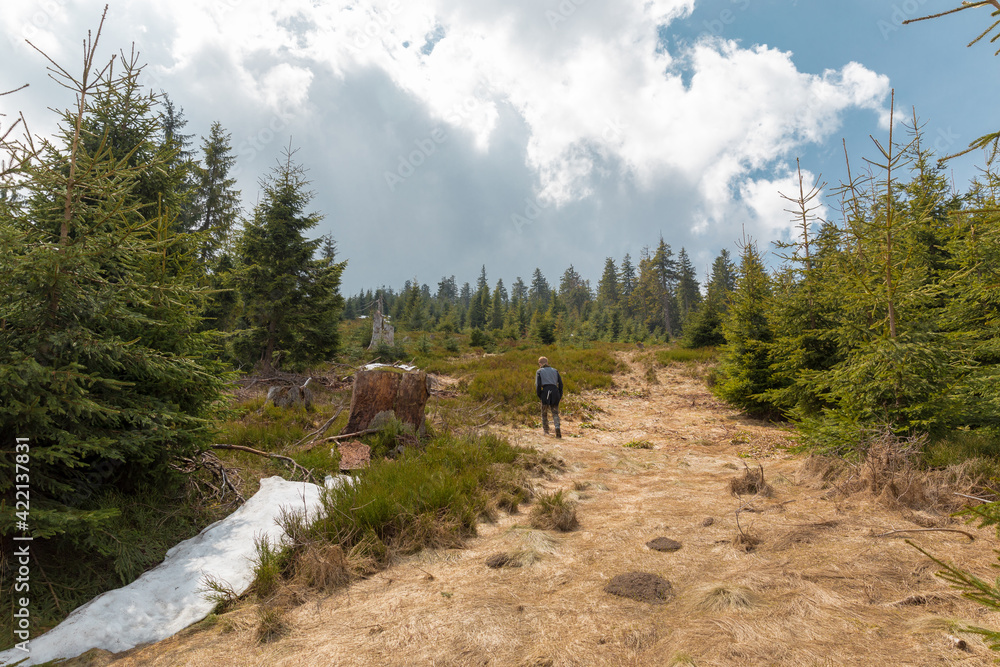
{"x":820,"y":589}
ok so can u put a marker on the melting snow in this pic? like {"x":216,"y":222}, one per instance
{"x":171,"y":596}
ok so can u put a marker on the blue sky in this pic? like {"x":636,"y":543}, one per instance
{"x":442,"y":135}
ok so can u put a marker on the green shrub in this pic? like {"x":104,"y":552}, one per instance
{"x":389,"y":353}
{"x":393,"y":433}
{"x":480,"y":338}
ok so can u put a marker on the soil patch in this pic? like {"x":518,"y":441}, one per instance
{"x":641,"y":586}
{"x":664,"y":544}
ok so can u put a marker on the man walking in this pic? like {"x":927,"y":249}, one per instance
{"x":549,"y":387}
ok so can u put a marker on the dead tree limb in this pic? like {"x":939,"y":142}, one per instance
{"x":295,"y":466}
{"x":345,"y":436}
{"x":321,"y":430}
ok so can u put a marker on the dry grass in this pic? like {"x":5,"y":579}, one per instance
{"x":322,"y":567}
{"x":752,"y":483}
{"x":271,"y":624}
{"x":819,"y":589}
{"x":554,"y":511}
{"x":724,"y":597}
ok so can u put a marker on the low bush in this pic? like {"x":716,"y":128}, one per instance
{"x":687,"y":356}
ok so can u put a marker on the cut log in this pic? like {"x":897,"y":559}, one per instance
{"x":377,"y":391}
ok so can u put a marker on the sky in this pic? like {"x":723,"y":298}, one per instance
{"x":444,"y":135}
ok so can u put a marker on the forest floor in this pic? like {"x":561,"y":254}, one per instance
{"x":822,"y":587}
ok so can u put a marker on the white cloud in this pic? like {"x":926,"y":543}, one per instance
{"x":592,"y":99}
{"x":776,"y":217}
{"x":586,"y":77}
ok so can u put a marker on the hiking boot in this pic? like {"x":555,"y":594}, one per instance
{"x":545,"y":429}
{"x":558,"y":433}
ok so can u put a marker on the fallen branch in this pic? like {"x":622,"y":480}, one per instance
{"x":295,"y":466}
{"x":971,"y":537}
{"x":345,"y":436}
{"x":214,"y":465}
{"x":321,"y":430}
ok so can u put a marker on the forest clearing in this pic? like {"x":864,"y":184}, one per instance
{"x":781,"y":417}
{"x":825,"y":585}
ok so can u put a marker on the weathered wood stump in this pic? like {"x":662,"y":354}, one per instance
{"x":377,"y":391}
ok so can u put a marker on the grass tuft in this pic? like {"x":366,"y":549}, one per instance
{"x":271,"y":624}
{"x":430,"y":497}
{"x":638,"y":444}
{"x":554,"y":511}
{"x":724,"y":596}
{"x":752,"y":483}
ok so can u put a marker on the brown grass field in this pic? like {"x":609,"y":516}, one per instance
{"x":806,"y":578}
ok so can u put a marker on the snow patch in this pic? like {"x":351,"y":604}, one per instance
{"x":404,"y":367}
{"x":171,"y":596}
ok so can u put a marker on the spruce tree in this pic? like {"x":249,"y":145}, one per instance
{"x":608,"y":289}
{"x":538,"y":296}
{"x":498,"y":306}
{"x":666,"y":275}
{"x":217,"y":200}
{"x":101,"y":366}
{"x":688,"y":289}
{"x":628,"y":278}
{"x":745,"y":367}
{"x":291,"y":296}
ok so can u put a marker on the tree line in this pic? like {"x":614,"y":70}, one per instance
{"x":661,"y":298}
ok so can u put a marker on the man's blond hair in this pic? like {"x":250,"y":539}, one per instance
{"x":543,"y":361}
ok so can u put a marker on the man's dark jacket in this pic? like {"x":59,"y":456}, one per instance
{"x":548,"y":385}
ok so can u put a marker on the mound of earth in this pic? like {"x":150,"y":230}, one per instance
{"x":641,"y":586}
{"x":664,"y":544}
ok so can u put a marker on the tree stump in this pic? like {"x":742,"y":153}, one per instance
{"x":405,"y":394}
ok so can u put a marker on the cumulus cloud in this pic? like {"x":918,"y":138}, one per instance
{"x":776,"y":217}
{"x":578,"y":106}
